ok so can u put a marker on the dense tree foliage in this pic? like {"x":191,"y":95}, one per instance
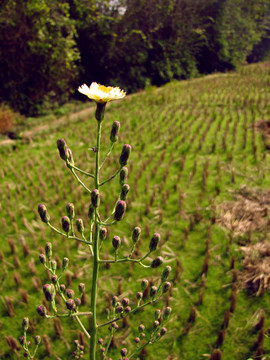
{"x":37,"y":53}
{"x":48,"y":46}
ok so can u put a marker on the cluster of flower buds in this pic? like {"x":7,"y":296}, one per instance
{"x":123,"y":353}
{"x":23,"y":340}
{"x":79,"y":350}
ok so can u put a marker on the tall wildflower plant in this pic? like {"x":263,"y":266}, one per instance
{"x":93,"y":239}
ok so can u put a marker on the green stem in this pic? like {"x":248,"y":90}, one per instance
{"x":67,"y":236}
{"x":80,"y":170}
{"x":131,"y":312}
{"x":80,"y":181}
{"x":111,"y":177}
{"x":138,"y":350}
{"x":93,"y":323}
{"x":108,"y":153}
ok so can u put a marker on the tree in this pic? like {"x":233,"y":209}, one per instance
{"x":37,"y":53}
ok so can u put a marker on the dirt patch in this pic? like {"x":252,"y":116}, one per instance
{"x":255,"y":275}
{"x":263,"y":126}
{"x":247,"y":213}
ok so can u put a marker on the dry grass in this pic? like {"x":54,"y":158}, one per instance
{"x":255,"y":275}
{"x":247,"y":214}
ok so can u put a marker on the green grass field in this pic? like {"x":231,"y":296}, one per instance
{"x":199,"y":175}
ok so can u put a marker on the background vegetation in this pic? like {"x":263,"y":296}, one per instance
{"x":50,"y":47}
{"x":199,"y":175}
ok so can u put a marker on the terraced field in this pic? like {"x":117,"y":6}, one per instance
{"x":198,"y":175}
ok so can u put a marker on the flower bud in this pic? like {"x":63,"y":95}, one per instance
{"x":157,"y":314}
{"x":124,"y":352}
{"x":154,"y":242}
{"x":65,"y":263}
{"x":62,"y":147}
{"x":155,"y":324}
{"x":166,"y":273}
{"x":136,"y":234}
{"x":48,"y":250}
{"x":80,"y":227}
{"x":25,"y":324}
{"x":54,"y":279}
{"x":127,"y":309}
{"x":70,"y":304}
{"x":123,"y":175}
{"x":62,"y":288}
{"x":81,"y":288}
{"x":77,"y":302}
{"x":119,"y":309}
{"x":115,"y":131}
{"x":166,"y":286}
{"x":53,"y":264}
{"x":125,"y":302}
{"x":144,"y":284}
{"x":22,"y":340}
{"x":91,"y":212}
{"x":153,"y":291}
{"x":102,"y":233}
{"x":43,"y":213}
{"x":139,"y":295}
{"x":120,"y":209}
{"x":157,"y":262}
{"x":41,"y":310}
{"x":49,"y":292}
{"x":25,"y":354}
{"x":125,"y":155}
{"x":167,"y":313}
{"x":100,"y":341}
{"x":137,"y":340}
{"x":70,"y":293}
{"x":70,"y":211}
{"x":95,"y":198}
{"x":42,"y":259}
{"x":114,"y":301}
{"x":124,"y":192}
{"x":141,"y":328}
{"x":37,"y":339}
{"x":116,"y":241}
{"x":163,"y":331}
{"x":65,"y":223}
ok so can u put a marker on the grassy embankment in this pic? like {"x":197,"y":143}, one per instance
{"x":199,"y":174}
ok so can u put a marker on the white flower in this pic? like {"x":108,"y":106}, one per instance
{"x":101,"y":93}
